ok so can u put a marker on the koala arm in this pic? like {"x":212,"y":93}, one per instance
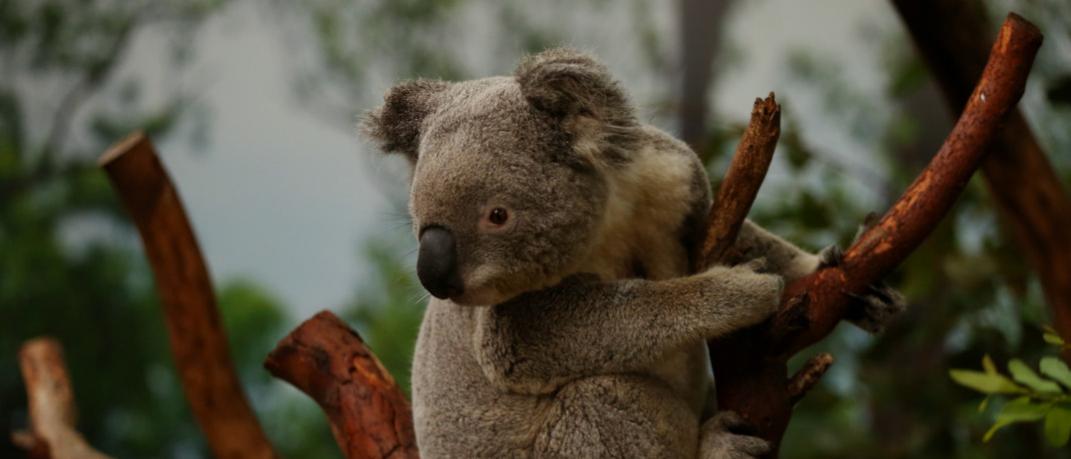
{"x":583,"y":326}
{"x":782,"y":257}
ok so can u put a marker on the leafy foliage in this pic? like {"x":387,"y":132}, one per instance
{"x":1041,"y":399}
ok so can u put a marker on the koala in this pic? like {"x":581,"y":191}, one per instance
{"x":555,"y":237}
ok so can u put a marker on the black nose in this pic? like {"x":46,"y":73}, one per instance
{"x":437,"y":263}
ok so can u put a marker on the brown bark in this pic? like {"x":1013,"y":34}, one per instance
{"x":327,"y":360}
{"x":751,"y":366}
{"x":51,"y":400}
{"x":742,"y":180}
{"x":1026,"y":189}
{"x":198,"y":341}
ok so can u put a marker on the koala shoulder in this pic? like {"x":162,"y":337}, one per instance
{"x":673,"y":183}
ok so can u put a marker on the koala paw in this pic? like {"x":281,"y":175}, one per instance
{"x":768,"y":288}
{"x":875,"y":307}
{"x":759,"y":288}
{"x":731,"y":298}
{"x":724,"y":437}
{"x":830,"y":256}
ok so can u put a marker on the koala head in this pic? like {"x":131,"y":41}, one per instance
{"x":509,"y":184}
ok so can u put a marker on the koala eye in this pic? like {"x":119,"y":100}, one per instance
{"x":498,"y":216}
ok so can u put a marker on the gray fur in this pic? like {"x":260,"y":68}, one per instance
{"x":579,"y":332}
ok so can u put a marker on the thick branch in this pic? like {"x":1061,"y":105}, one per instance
{"x":369,"y":414}
{"x":756,"y":386}
{"x":741,"y":184}
{"x":51,"y":399}
{"x":1021,"y":180}
{"x":932,"y":194}
{"x":198,"y":341}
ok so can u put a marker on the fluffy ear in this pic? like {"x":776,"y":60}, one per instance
{"x":567,"y":82}
{"x":576,"y":88}
{"x":396,"y":125}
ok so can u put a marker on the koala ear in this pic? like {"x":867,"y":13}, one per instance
{"x":577,"y":89}
{"x":566,"y":82}
{"x":396,"y":125}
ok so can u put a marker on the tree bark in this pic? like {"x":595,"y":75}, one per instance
{"x":198,"y":341}
{"x":742,"y":180}
{"x":1028,"y":193}
{"x":751,"y":366}
{"x":53,"y":415}
{"x":327,"y":360}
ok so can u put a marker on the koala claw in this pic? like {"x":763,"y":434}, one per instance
{"x":758,"y":265}
{"x":721,"y":440}
{"x":830,"y":256}
{"x":876,"y":307}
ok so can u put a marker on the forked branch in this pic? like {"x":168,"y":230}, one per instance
{"x":813,"y":305}
{"x":1033,"y":202}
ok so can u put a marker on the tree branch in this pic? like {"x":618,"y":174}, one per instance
{"x":51,"y":399}
{"x":327,"y":360}
{"x":742,"y":180}
{"x":805,"y":379}
{"x":882,"y":247}
{"x":1026,"y":189}
{"x":198,"y":341}
{"x":756,"y":386}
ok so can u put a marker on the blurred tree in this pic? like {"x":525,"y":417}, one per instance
{"x":71,"y":266}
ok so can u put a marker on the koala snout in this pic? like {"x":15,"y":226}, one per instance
{"x":437,"y":263}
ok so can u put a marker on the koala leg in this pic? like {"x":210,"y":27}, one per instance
{"x":719,"y":441}
{"x":617,"y":416}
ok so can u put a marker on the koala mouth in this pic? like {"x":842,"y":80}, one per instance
{"x":478,"y":297}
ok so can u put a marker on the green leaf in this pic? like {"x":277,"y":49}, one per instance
{"x":1050,"y":336}
{"x":987,"y":383}
{"x":987,"y":363}
{"x":1019,"y":410}
{"x":1024,"y":375}
{"x":985,"y":404}
{"x":1023,"y":409}
{"x":1056,"y":369}
{"x":1053,"y":339}
{"x":1058,"y":426}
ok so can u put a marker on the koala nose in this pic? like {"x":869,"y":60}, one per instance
{"x":437,"y":263}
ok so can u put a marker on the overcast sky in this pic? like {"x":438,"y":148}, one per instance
{"x":282,"y":197}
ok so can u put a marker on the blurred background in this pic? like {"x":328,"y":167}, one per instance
{"x":253,"y":105}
